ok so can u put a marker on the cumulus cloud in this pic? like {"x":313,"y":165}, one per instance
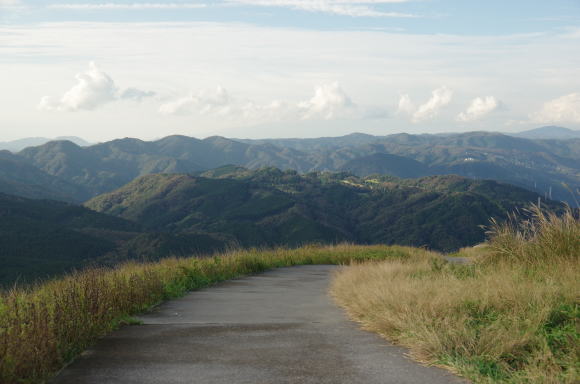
{"x":93,"y":89}
{"x":565,"y":109}
{"x":479,"y":107}
{"x":274,"y":111}
{"x":206,"y":102}
{"x":406,"y":106}
{"x":126,"y":6}
{"x":353,"y":8}
{"x":440,"y":98}
{"x":329,"y":101}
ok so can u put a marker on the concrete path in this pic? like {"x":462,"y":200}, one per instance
{"x":458,"y":260}
{"x":277,"y":327}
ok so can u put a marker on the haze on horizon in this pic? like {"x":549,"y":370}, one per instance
{"x":286,"y":68}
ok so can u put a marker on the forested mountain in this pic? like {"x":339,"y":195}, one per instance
{"x":549,"y":167}
{"x":274,"y":207}
{"x":386,"y":164}
{"x":107,"y":166}
{"x":40,"y":237}
{"x":44,"y":238}
{"x":182,"y":214}
{"x":19,"y":177}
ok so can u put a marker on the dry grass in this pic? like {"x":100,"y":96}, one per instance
{"x":512,"y":317}
{"x":473,"y":253}
{"x":540,"y":238}
{"x":44,"y":327}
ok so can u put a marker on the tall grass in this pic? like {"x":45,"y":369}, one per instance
{"x":512,"y":317}
{"x":44,"y":327}
{"x":540,"y":238}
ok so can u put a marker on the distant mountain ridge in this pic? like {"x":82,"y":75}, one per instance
{"x":549,"y":167}
{"x":20,"y":144}
{"x":549,"y":133}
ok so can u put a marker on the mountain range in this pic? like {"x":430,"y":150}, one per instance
{"x":159,"y":215}
{"x":144,"y":200}
{"x":548,"y":167}
{"x":20,"y":144}
{"x":550,"y":133}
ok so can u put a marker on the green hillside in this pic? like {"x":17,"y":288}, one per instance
{"x":43,"y":238}
{"x":18,"y":177}
{"x":273,"y":207}
{"x":386,"y":164}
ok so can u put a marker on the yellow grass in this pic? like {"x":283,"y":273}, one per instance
{"x":508,"y":318}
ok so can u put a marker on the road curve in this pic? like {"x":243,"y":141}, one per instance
{"x":276,"y":327}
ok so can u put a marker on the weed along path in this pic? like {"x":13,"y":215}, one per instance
{"x":277,"y":327}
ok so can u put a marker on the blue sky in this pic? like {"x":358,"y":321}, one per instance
{"x":282,"y":68}
{"x":472,"y":17}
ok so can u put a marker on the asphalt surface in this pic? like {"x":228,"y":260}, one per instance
{"x":458,"y":260}
{"x":277,"y":327}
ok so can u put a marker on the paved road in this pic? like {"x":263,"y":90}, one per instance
{"x":458,"y":260}
{"x":277,"y":327}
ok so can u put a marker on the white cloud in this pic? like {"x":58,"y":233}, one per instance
{"x":127,"y":6}
{"x":440,"y":98}
{"x":406,"y":106}
{"x":94,"y":88}
{"x":135,"y":94}
{"x":274,"y":111}
{"x":10,"y":3}
{"x":565,"y":109}
{"x":353,"y":8}
{"x":329,"y":102}
{"x":262,"y":64}
{"x":479,"y":107}
{"x":205,"y":103}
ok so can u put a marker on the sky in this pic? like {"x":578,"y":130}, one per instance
{"x":286,"y":68}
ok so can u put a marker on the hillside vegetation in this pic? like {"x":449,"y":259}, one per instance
{"x":42,"y":328}
{"x":231,"y":207}
{"x":18,"y":177}
{"x":272,"y":207}
{"x":512,"y":316}
{"x":43,"y":238}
